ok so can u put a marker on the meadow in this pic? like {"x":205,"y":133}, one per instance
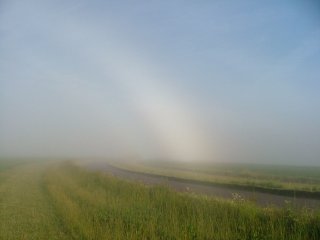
{"x":64,"y":201}
{"x":287,"y":180}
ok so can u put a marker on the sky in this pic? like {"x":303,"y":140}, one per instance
{"x":224,"y":81}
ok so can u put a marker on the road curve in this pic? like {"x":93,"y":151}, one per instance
{"x":261,"y":198}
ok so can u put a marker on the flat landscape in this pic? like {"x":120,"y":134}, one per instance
{"x":170,"y":120}
{"x":61,"y":200}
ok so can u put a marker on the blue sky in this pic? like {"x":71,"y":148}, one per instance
{"x":187,"y":80}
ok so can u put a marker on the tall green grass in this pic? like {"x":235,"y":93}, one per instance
{"x":95,"y":206}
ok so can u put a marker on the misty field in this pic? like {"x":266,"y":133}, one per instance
{"x":65,"y":201}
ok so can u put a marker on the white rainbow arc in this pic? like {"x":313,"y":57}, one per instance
{"x":160,"y":108}
{"x":165,"y":114}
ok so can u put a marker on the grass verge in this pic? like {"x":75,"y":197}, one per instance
{"x":96,"y":206}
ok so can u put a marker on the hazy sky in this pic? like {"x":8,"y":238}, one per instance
{"x":188,"y":80}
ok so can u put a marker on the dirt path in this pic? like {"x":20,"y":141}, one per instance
{"x":263,"y":199}
{"x":25,"y":211}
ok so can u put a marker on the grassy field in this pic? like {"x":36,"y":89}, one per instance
{"x":64,"y":201}
{"x":25,"y":209}
{"x":268,"y":177}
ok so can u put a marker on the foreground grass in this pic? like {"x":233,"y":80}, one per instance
{"x":25,"y":212}
{"x":291,"y":178}
{"x":41,"y":201}
{"x":95,"y":206}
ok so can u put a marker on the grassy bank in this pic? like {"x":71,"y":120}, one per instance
{"x":95,"y":206}
{"x":63,"y":201}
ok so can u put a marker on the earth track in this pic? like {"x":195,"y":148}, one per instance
{"x":211,"y":189}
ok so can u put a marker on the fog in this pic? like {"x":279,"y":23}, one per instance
{"x":221,"y":81}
